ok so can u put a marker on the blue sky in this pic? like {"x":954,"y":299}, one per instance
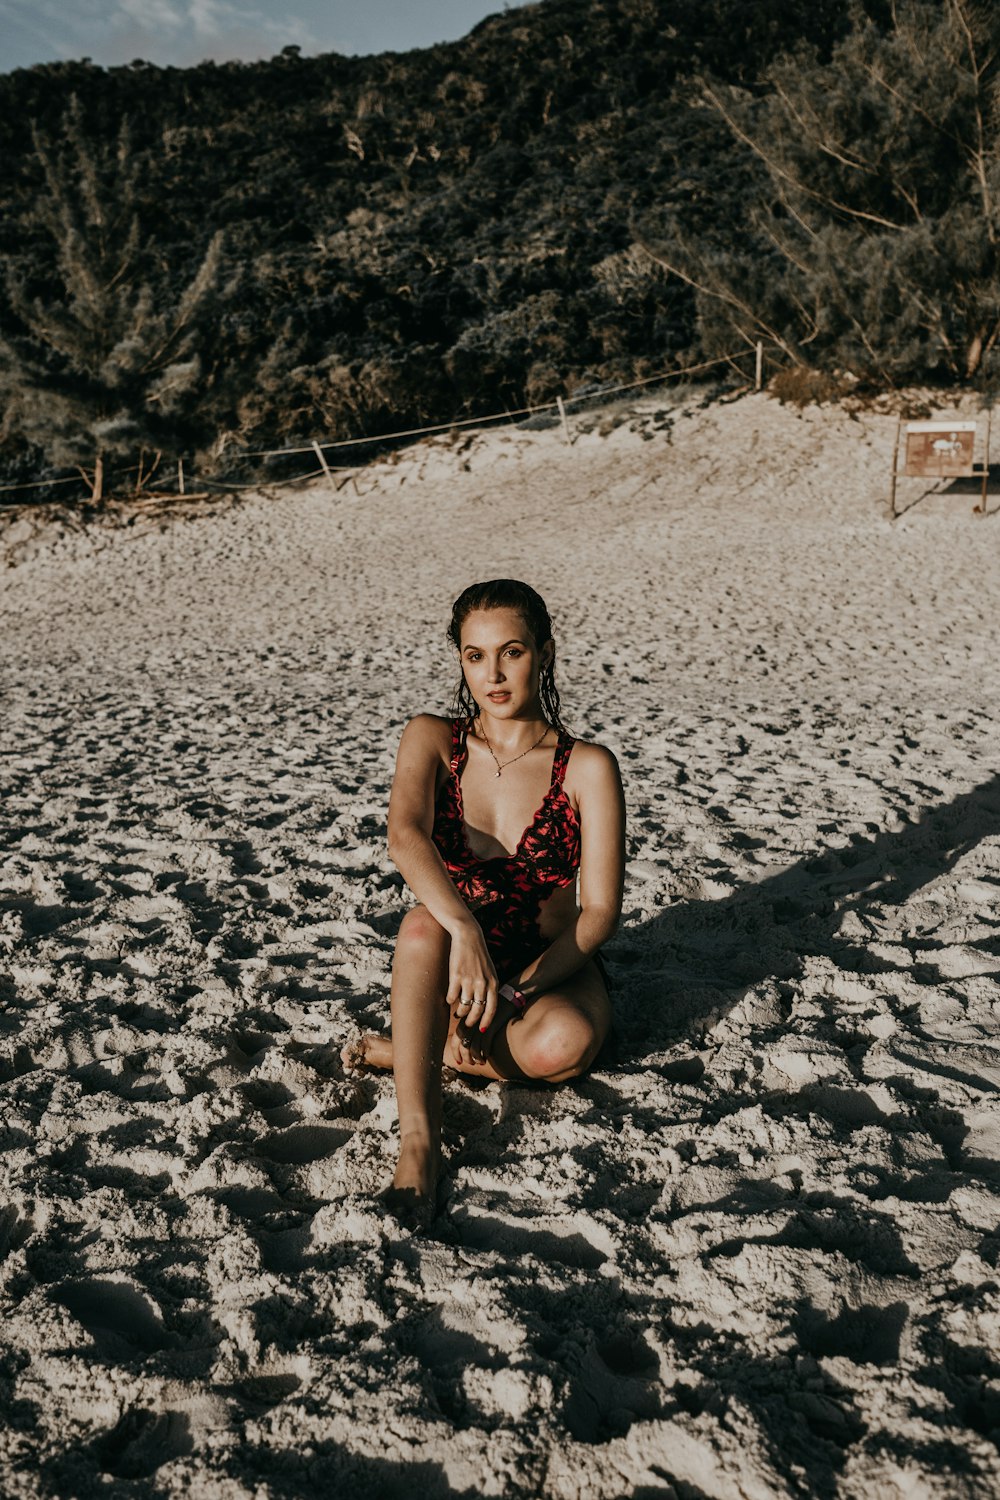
{"x":184,"y":32}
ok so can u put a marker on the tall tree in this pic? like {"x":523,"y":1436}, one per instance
{"x":99,"y":357}
{"x":870,"y":243}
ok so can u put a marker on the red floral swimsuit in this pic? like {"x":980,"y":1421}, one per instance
{"x":505,"y":892}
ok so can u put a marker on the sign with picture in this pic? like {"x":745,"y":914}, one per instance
{"x":940,"y":449}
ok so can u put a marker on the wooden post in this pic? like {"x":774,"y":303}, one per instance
{"x":562,"y":413}
{"x":895,"y":455}
{"x":986,"y":460}
{"x":97,"y":494}
{"x":758,"y":378}
{"x":180,"y":476}
{"x":326,"y":467}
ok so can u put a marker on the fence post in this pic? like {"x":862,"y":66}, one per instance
{"x":759,"y":372}
{"x":562,"y":413}
{"x":180,"y":475}
{"x":326,"y":467}
{"x":895,"y":459}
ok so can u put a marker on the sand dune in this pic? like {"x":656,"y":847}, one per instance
{"x":753,"y":1255}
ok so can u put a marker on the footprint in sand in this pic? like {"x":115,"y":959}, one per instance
{"x":573,"y":1240}
{"x":122,"y":1321}
{"x":142,"y":1441}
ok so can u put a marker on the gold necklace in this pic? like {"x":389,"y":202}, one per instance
{"x":500,"y":766}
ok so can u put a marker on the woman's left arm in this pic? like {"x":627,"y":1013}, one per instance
{"x":602,"y":873}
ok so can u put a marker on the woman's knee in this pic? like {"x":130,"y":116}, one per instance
{"x":419,"y":932}
{"x":561,"y":1045}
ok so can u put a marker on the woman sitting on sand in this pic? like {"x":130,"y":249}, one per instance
{"x":496,"y":972}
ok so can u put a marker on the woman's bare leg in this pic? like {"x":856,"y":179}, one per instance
{"x":419,"y":1031}
{"x":558,"y":1036}
{"x":557,"y":1039}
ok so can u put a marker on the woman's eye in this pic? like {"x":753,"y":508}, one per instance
{"x":513,"y":652}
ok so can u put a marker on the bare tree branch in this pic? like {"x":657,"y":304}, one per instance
{"x":779,"y":171}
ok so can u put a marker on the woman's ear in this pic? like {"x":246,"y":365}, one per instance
{"x":547,"y":655}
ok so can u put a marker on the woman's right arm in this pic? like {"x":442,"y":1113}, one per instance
{"x":472,"y":976}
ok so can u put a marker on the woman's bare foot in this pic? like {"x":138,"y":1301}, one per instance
{"x":419,"y":1165}
{"x":412,"y":1198}
{"x":369,"y":1049}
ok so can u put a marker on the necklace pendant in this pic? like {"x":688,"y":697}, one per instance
{"x":498,"y":773}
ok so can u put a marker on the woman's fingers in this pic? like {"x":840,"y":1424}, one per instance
{"x":472,"y":997}
{"x":461,"y":996}
{"x":475,"y":995}
{"x":489,"y":1006}
{"x":469,"y":1045}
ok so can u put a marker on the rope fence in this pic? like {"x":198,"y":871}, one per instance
{"x":318,"y":446}
{"x":44,"y":484}
{"x":520,"y":411}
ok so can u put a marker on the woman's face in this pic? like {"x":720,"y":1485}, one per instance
{"x":502,"y":663}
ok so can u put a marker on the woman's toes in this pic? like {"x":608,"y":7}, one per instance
{"x":367,"y":1050}
{"x":352,"y":1054}
{"x":412,"y":1210}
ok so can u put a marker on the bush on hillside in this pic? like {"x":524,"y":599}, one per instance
{"x":421,"y":237}
{"x":871,"y":234}
{"x":101,"y":358}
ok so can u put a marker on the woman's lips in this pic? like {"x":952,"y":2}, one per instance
{"x":498,"y":697}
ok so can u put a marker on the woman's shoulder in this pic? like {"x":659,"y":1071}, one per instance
{"x":593,"y":780}
{"x":591,"y":762}
{"x":589,"y":754}
{"x":432,"y":730}
{"x":428,"y":724}
{"x":592,"y":766}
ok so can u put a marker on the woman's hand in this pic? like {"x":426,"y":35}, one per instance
{"x":472,"y":979}
{"x":474,"y":1045}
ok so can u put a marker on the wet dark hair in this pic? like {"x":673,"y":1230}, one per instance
{"x":507,"y":593}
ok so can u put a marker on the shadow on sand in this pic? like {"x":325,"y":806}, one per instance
{"x":692,"y":965}
{"x":697,"y":960}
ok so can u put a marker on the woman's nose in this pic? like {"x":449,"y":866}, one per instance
{"x":496,"y":672}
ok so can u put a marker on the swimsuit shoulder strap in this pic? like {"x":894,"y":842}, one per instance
{"x":459,"y":731}
{"x":563,"y":749}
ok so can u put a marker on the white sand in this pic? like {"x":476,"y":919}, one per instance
{"x":756,"y":1254}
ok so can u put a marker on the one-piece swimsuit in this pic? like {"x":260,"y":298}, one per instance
{"x":505,"y":892}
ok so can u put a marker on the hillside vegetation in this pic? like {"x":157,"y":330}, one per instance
{"x":211,"y":261}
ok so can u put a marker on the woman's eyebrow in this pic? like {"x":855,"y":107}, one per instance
{"x":515,"y":642}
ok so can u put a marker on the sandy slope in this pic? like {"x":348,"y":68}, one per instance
{"x":753,"y":1256}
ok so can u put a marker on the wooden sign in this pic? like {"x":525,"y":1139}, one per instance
{"x":940,"y":450}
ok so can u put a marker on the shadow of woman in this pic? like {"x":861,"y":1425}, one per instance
{"x":832,"y":1228}
{"x":682,"y":969}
